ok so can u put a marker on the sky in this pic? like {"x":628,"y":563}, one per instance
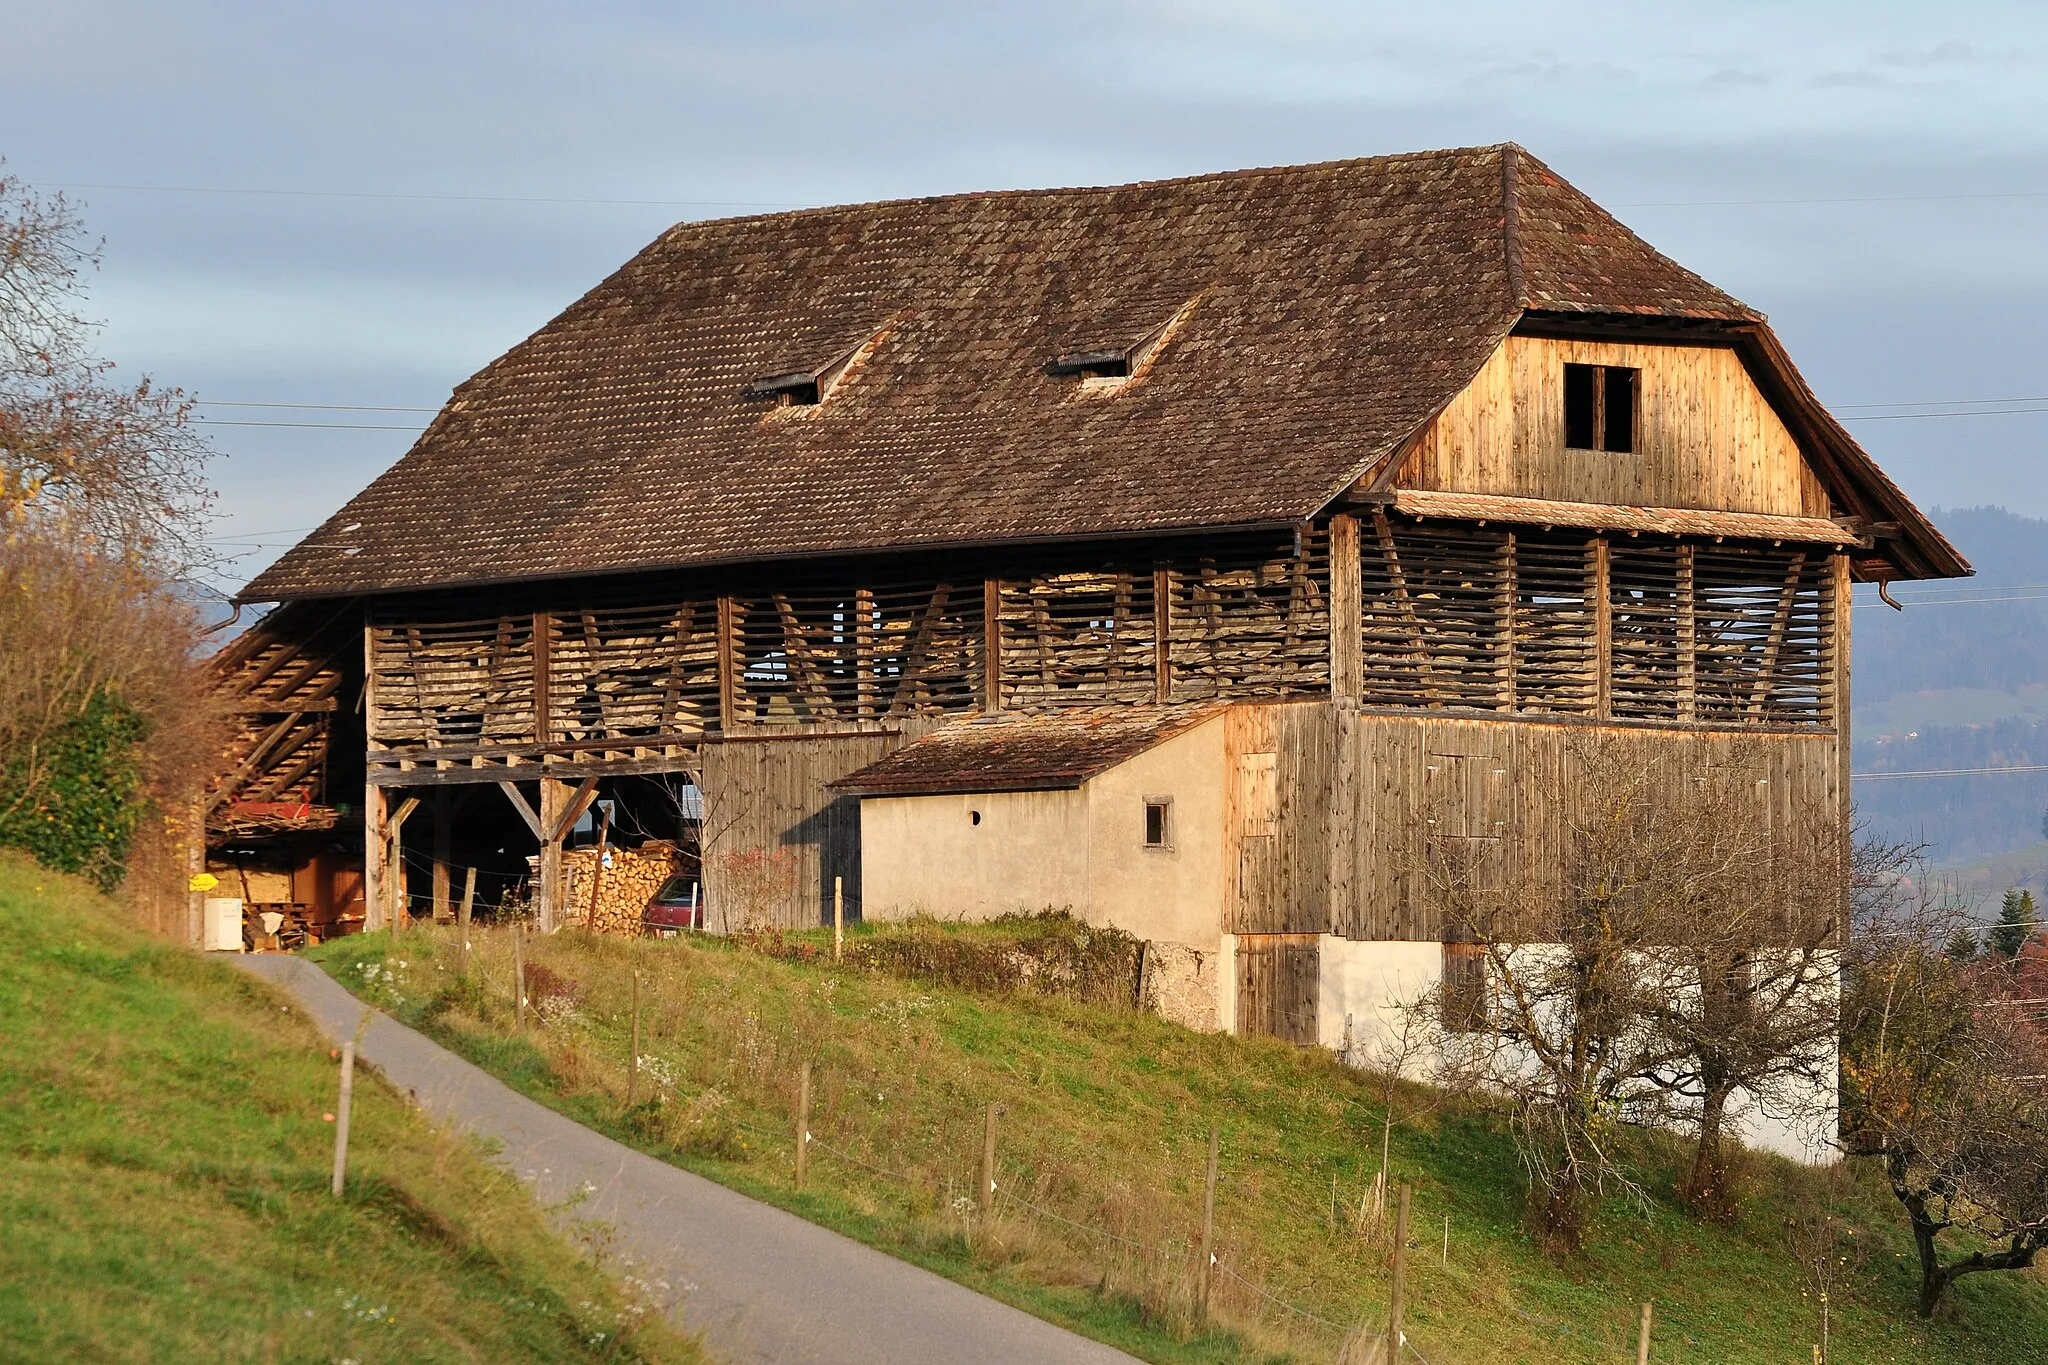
{"x":319,"y":219}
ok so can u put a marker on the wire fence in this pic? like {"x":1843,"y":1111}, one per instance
{"x":1359,"y":1339}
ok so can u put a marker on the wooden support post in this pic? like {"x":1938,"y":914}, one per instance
{"x":1205,"y":1270}
{"x":1643,"y":1338}
{"x":633,"y":1063}
{"x":376,"y":849}
{"x":341,"y":1114}
{"x":1397,"y":1299}
{"x":728,"y":661}
{"x":1347,"y":610}
{"x":399,"y":911}
{"x":519,"y":976}
{"x":1688,"y":637}
{"x":1162,"y":634}
{"x":462,"y":916}
{"x":1603,"y":630}
{"x":803,"y":1123}
{"x":444,"y":907}
{"x":992,"y":644}
{"x":838,"y":918}
{"x":604,"y":829}
{"x":554,"y":798}
{"x":987,"y":1191}
{"x":543,"y":669}
{"x":1447,"y":1241}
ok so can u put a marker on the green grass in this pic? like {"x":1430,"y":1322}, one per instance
{"x":1105,"y":1119}
{"x":164,"y":1168}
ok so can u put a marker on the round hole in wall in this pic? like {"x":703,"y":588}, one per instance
{"x":975,"y":816}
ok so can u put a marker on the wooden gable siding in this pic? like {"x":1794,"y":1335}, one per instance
{"x":1705,"y":436}
{"x":1363,"y":801}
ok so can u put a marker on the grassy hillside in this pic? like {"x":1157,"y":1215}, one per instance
{"x":164,"y":1167}
{"x":1101,"y":1150}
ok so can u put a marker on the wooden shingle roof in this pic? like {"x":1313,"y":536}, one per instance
{"x":1319,"y":315}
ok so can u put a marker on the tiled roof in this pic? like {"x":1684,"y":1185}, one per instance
{"x":1025,"y":751}
{"x":1321,"y":314}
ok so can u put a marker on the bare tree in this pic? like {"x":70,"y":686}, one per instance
{"x":102,"y":494}
{"x":1942,"y":1085}
{"x":1743,"y":956}
{"x":1564,"y":1034}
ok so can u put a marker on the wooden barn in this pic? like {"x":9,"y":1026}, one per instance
{"x":1162,"y":550}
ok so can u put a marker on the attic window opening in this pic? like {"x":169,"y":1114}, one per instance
{"x":1600,"y":407}
{"x":1092,"y":365}
{"x":788,"y":390}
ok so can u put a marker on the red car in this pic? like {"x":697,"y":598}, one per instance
{"x":679,"y":904}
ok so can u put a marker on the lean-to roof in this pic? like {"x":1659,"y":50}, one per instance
{"x":1026,"y":751}
{"x":1303,"y":322}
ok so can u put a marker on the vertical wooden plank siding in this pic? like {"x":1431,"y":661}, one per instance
{"x":375,"y":841}
{"x":543,"y":716}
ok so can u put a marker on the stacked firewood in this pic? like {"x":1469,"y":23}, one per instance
{"x":623,"y":889}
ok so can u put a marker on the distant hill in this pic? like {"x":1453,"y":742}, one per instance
{"x":1953,"y":682}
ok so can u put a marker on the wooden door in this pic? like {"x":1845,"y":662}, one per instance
{"x":1279,"y":985}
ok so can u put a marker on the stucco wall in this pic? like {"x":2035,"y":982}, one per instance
{"x":1083,"y":849}
{"x":1365,"y":987}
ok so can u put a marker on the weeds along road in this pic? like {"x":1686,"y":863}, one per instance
{"x":755,"y":1283}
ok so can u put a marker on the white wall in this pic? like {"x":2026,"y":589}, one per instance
{"x":1368,"y":984}
{"x":1083,"y":849}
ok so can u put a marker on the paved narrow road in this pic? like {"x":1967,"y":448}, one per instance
{"x":756,"y":1283}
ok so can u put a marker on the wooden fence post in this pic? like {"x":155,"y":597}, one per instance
{"x":988,"y":1169}
{"x":803,"y":1123}
{"x":633,"y":1068}
{"x":462,"y":916}
{"x":1643,"y":1338}
{"x":1447,"y":1241}
{"x":1206,"y":1270}
{"x":1397,"y":1300}
{"x":838,"y":917}
{"x":519,"y":976}
{"x":341,"y":1109}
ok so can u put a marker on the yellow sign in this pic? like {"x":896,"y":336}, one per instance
{"x":204,"y":881}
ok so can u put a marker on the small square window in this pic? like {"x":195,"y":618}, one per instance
{"x":1600,"y":407}
{"x":1159,"y":822}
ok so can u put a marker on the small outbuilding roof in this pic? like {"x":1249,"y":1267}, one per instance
{"x":1026,"y":751}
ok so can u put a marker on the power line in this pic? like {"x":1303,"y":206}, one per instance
{"x":1846,"y":199}
{"x":1938,"y":403}
{"x":442,"y":198}
{"x":1949,"y":772}
{"x":1921,"y":416}
{"x":318,"y":426}
{"x":320,"y":407}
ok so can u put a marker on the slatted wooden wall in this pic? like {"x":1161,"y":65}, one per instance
{"x":1558,"y":622}
{"x":1279,"y":986}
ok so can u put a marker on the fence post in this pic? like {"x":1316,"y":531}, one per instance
{"x":1643,"y":1338}
{"x":633,"y":1067}
{"x":348,"y":1090}
{"x":1447,"y":1241}
{"x":988,"y":1169}
{"x":1397,"y":1301}
{"x":462,"y":916}
{"x":1207,"y":1269}
{"x":838,"y":917}
{"x":803,"y":1123}
{"x":519,"y":976}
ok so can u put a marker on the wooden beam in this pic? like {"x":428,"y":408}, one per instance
{"x":728,"y":662}
{"x":991,"y":644}
{"x":1162,"y":634}
{"x":376,"y":859}
{"x":1347,"y":610}
{"x":444,"y":907}
{"x":1781,"y":621}
{"x":518,"y":800}
{"x":1688,"y":637}
{"x":1603,"y":629}
{"x":543,"y":639}
{"x":586,"y":792}
{"x":548,"y":890}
